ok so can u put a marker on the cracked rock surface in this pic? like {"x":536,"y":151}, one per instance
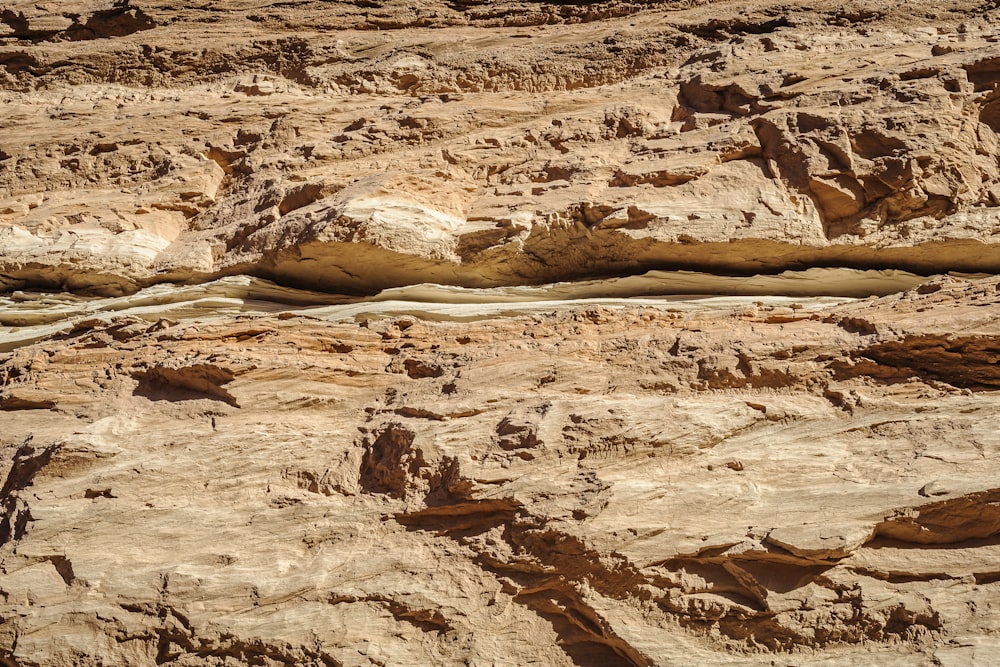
{"x":358,"y":146}
{"x":620,"y":484}
{"x":363,"y":333}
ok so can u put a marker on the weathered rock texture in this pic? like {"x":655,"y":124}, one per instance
{"x":359,"y":146}
{"x":201,"y":467}
{"x":594,"y":486}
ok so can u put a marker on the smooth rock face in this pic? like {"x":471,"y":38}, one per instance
{"x":716,"y":450}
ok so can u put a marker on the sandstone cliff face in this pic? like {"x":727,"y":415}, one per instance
{"x":212,"y":455}
{"x":356,"y":147}
{"x":612,"y":484}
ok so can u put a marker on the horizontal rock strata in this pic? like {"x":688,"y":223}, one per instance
{"x":329,"y":146}
{"x":356,"y":333}
{"x":629,"y":485}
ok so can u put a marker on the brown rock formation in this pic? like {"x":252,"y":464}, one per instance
{"x":592,"y":485}
{"x":361,"y":146}
{"x":205,"y":464}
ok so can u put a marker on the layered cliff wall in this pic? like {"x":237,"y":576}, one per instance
{"x":506,"y":333}
{"x":357,"y":147}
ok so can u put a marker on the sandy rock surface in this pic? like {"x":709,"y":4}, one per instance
{"x":499,"y":333}
{"x":620,"y":484}
{"x":357,"y":146}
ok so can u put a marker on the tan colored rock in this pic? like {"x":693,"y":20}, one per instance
{"x":631,"y":484}
{"x":664,"y":353}
{"x":467,"y":147}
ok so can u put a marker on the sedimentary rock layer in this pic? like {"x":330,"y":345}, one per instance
{"x":603,"y":485}
{"x":342,"y":146}
{"x":499,"y":333}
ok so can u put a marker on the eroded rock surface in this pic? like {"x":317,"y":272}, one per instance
{"x":727,"y":484}
{"x":209,"y":458}
{"x":358,"y":146}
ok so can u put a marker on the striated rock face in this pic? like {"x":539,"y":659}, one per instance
{"x":352,"y":333}
{"x":610,"y":484}
{"x":354,"y":147}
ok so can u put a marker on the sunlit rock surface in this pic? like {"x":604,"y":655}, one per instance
{"x":360,"y":146}
{"x":507,"y":333}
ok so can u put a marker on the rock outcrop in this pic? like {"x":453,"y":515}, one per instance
{"x":610,"y":484}
{"x":499,"y":333}
{"x":361,"y":146}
